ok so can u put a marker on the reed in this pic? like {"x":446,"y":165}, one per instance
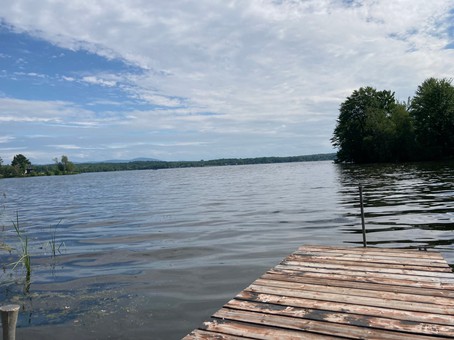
{"x":25,"y":258}
{"x":53,"y":243}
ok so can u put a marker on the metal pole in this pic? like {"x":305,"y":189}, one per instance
{"x":9,"y":321}
{"x":362,"y":214}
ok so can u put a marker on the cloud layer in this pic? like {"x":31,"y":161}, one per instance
{"x":210,"y":79}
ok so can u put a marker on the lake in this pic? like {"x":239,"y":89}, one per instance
{"x":152,"y":254}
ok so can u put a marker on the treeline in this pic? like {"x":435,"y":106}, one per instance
{"x":155,"y":165}
{"x":21,"y":167}
{"x":374,"y":127}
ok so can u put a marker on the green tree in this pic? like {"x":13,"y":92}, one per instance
{"x":378,"y":137}
{"x":20,"y":163}
{"x":64,"y":165}
{"x":404,"y":148}
{"x":432,"y":109}
{"x":364,"y":127}
{"x":68,"y":166}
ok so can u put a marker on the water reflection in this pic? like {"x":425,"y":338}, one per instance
{"x":405,"y":205}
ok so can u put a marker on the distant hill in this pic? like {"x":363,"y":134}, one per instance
{"x":140,"y":159}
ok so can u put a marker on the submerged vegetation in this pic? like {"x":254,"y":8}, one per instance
{"x":16,"y":254}
{"x":374,"y":127}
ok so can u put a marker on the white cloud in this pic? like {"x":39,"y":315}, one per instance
{"x":31,"y":74}
{"x":99,"y":81}
{"x":257,"y":65}
{"x":160,"y":100}
{"x":51,"y":112}
{"x":6,"y":139}
{"x":66,"y":147}
{"x":71,"y":79}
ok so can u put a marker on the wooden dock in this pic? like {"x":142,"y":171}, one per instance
{"x":342,"y":293}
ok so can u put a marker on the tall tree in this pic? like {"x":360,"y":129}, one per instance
{"x":433,"y":111}
{"x":20,"y":163}
{"x":64,"y":165}
{"x":68,"y":166}
{"x":364,"y":126}
{"x":404,"y":148}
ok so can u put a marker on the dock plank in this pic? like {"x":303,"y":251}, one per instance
{"x":408,"y":316}
{"x":446,"y":281}
{"x":321,"y":292}
{"x":345,"y":318}
{"x":405,"y":280}
{"x":379,"y":251}
{"x":417,"y":291}
{"x":326,"y":328}
{"x":369,"y":263}
{"x":367,"y":266}
{"x":352,"y":299}
{"x":378,"y":259}
{"x":349,"y":291}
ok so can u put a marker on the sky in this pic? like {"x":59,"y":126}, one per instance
{"x":204,"y":79}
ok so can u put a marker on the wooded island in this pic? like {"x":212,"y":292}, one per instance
{"x":374,"y":127}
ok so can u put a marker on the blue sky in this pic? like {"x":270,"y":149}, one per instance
{"x":189,"y":80}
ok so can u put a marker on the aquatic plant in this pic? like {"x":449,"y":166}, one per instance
{"x":22,"y":248}
{"x":53,"y":243}
{"x":25,"y":258}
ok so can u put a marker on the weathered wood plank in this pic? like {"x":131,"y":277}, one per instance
{"x":199,"y":334}
{"x":373,"y":251}
{"x":324,"y":328}
{"x":436,"y":282}
{"x":257,"y":331}
{"x":377,"y":259}
{"x":369,"y":249}
{"x":353,"y":299}
{"x":416,"y":291}
{"x":344,"y":318}
{"x":369,"y":264}
{"x":362,"y":266}
{"x":310,"y":272}
{"x":347,"y":308}
{"x":385,"y":295}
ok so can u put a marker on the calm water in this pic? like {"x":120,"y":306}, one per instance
{"x":151,"y":254}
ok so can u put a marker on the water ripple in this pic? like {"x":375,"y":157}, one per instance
{"x":158,"y":251}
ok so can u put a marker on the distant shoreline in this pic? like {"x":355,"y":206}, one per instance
{"x":156,"y":164}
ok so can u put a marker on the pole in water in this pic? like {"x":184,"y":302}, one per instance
{"x":362,"y":214}
{"x":9,"y":321}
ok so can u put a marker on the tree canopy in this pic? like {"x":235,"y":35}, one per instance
{"x":374,"y":127}
{"x":64,"y":166}
{"x":20,"y":163}
{"x":21,"y":166}
{"x":433,"y":112}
